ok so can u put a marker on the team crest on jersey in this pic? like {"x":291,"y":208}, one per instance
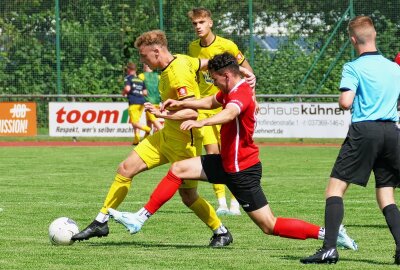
{"x":239,"y":57}
{"x":182,"y":92}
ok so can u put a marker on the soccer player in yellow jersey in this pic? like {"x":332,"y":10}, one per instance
{"x":170,"y":144}
{"x":207,"y":46}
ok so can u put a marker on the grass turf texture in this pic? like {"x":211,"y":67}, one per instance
{"x":39,"y":184}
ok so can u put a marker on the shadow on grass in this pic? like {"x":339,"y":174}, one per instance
{"x":375,"y":226}
{"x":149,"y":245}
{"x":295,"y":258}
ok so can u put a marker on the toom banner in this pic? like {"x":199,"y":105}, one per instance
{"x":274,"y":120}
{"x":18,"y":119}
{"x":95,"y":119}
{"x":302,"y":120}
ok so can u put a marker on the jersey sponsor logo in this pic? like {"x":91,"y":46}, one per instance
{"x":182,"y":92}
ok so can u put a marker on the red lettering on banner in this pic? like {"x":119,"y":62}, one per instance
{"x":108,"y":115}
{"x":73,"y":116}
{"x":87,"y":117}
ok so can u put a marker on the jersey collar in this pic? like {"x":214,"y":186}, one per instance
{"x":237,"y":85}
{"x":369,"y":53}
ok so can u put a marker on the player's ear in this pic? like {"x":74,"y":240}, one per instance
{"x":353,"y":39}
{"x":211,"y":23}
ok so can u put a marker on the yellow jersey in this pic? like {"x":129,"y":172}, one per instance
{"x":218,"y":46}
{"x":179,"y":81}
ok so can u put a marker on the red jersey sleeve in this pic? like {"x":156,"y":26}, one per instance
{"x":219,"y":96}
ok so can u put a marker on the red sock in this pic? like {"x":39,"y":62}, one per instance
{"x":164,"y":191}
{"x":295,"y":228}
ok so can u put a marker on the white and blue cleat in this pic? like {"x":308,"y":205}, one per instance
{"x":131,"y":221}
{"x":344,"y":241}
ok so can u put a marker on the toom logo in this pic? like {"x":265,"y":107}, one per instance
{"x":87,"y":117}
{"x":97,"y":119}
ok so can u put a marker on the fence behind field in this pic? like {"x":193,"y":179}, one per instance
{"x":70,"y":47}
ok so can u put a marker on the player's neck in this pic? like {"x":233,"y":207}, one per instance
{"x":207,"y":40}
{"x":367,"y":48}
{"x":166,"y":60}
{"x":234,"y":80}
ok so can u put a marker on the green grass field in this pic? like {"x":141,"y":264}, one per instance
{"x":38,"y":185}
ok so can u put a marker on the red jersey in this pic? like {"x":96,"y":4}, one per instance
{"x":238,"y":151}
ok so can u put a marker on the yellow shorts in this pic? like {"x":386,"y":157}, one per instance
{"x":151,"y":117}
{"x":158,"y":149}
{"x":135,"y":112}
{"x":211,"y":134}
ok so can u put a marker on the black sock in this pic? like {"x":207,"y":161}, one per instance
{"x":392,"y":216}
{"x":334,"y":212}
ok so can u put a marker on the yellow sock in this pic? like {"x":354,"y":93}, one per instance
{"x":206,"y":213}
{"x":116,"y":193}
{"x":219,"y":190}
{"x":147,"y":129}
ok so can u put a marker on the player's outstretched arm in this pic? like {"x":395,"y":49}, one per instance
{"x":181,"y":114}
{"x":226,"y":115}
{"x":204,"y":103}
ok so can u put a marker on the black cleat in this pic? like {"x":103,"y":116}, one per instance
{"x":94,"y":229}
{"x":221,"y":240}
{"x":397,"y":257}
{"x":323,"y":255}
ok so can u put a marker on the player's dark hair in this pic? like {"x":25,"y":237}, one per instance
{"x":222,"y":62}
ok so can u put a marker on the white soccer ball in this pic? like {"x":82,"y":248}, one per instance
{"x":61,"y":230}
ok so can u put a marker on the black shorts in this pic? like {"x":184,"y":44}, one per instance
{"x":370,"y":146}
{"x":244,"y":185}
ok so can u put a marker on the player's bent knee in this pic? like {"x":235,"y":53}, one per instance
{"x":188,"y":196}
{"x":127,"y":170}
{"x":178,"y":169}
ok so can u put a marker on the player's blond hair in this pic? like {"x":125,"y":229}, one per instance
{"x":199,"y":12}
{"x":154,"y":37}
{"x":362,"y":28}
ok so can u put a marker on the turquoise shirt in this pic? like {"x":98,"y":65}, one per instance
{"x":376,"y":83}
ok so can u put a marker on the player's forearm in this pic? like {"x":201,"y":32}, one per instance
{"x":225,"y":116}
{"x":204,"y":103}
{"x":247,"y":66}
{"x":181,"y":115}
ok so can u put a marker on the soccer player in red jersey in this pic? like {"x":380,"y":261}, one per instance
{"x":237,"y":166}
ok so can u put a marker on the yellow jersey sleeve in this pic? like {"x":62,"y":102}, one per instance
{"x":141,"y":76}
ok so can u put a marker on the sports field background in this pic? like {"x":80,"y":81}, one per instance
{"x":53,"y":50}
{"x":84,"y":55}
{"x":39,"y":184}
